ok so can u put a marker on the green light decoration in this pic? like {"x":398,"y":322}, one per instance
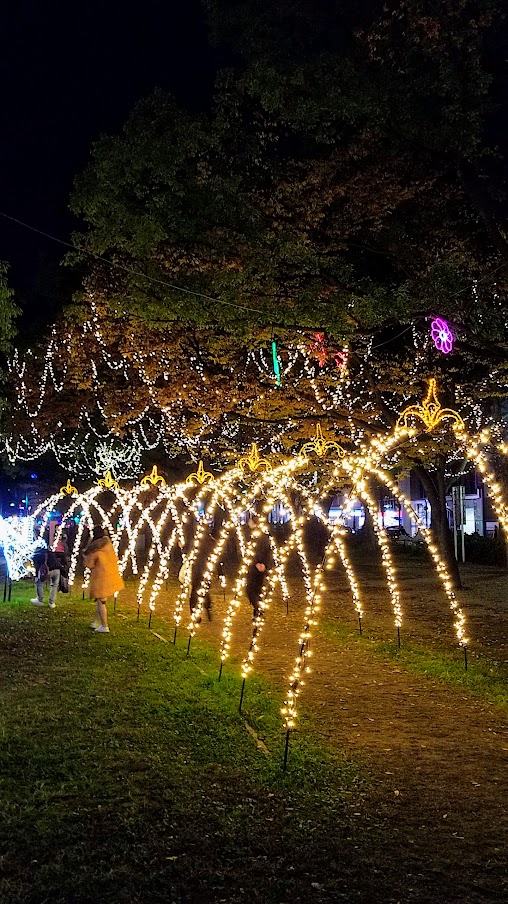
{"x":276,"y":366}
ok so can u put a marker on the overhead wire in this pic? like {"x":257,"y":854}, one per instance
{"x":216,"y":300}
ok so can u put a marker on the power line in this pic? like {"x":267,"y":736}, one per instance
{"x":174,"y":287}
{"x":153,"y":279}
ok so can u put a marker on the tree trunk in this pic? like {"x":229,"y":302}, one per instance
{"x":367,"y":533}
{"x":435,"y":489}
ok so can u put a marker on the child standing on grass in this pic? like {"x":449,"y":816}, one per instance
{"x":105,"y":577}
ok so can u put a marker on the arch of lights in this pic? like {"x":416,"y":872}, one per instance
{"x":184,"y":513}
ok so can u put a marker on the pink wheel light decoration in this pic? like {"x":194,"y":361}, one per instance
{"x":442,"y":335}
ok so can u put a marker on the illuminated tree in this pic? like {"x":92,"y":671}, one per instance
{"x":342,"y":186}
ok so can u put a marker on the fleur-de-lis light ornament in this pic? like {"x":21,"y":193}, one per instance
{"x":68,"y":489}
{"x":200,"y":476}
{"x":109,"y":483}
{"x":321,"y":447}
{"x":153,"y":478}
{"x":253,"y":461}
{"x":429,"y":412}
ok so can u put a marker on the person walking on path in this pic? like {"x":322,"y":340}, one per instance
{"x":105,"y":577}
{"x":259,"y":567}
{"x":48,"y":568}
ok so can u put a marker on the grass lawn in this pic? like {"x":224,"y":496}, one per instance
{"x":127,"y":774}
{"x":484,"y":676}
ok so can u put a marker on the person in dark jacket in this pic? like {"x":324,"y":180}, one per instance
{"x":259,"y":567}
{"x":47,"y":569}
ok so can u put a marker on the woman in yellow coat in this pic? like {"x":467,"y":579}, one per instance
{"x":105,"y":578}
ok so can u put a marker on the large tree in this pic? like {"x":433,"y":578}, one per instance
{"x":346,"y":183}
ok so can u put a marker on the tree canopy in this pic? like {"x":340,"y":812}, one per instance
{"x":343,"y":180}
{"x":346,"y":186}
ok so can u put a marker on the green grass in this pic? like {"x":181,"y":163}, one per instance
{"x":127,"y":774}
{"x":484,"y":677}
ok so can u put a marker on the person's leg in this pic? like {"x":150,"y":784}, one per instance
{"x":54,"y":580}
{"x":39,"y":588}
{"x":102,"y":612}
{"x":39,"y":591}
{"x":97,"y":620}
{"x":253,"y":597}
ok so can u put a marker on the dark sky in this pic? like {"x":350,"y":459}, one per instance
{"x":69,"y":72}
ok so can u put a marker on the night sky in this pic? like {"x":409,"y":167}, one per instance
{"x":69,"y":73}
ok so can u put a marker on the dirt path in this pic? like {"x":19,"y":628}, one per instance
{"x":435,"y":756}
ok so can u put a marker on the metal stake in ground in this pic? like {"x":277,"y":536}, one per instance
{"x":241,"y":696}
{"x":360,"y":622}
{"x":398,"y":637}
{"x":286,"y":750}
{"x":465,"y":657}
{"x":220,"y":670}
{"x":188,"y":645}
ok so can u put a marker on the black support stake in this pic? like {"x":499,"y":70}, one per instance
{"x":174,"y":635}
{"x":286,"y":750}
{"x":10,"y":590}
{"x":241,"y":696}
{"x":465,"y":658}
{"x":398,"y":637}
{"x":220,"y":670}
{"x":188,"y":645}
{"x":150,"y":619}
{"x":360,"y":624}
